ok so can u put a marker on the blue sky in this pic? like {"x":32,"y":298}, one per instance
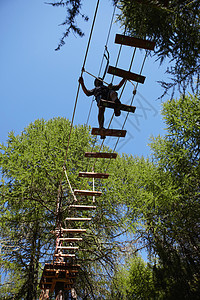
{"x":39,"y":82}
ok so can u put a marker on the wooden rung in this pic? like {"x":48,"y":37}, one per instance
{"x":78,"y":219}
{"x":126,"y":74}
{"x":134,"y":42}
{"x":108,"y":132}
{"x":87,"y":193}
{"x":68,"y":287}
{"x":65,"y":255}
{"x":47,"y":282}
{"x":71,"y":239}
{"x":71,"y":272}
{"x":78,"y":230}
{"x":120,"y":106}
{"x":82,"y":207}
{"x":101,"y":155}
{"x":67,"y":248}
{"x":93,"y":175}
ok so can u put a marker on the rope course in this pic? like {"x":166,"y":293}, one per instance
{"x":101,"y":65}
{"x":60,"y":275}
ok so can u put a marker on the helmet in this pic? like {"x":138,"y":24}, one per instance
{"x":98,"y":81}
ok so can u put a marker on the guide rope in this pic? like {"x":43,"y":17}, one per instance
{"x":107,"y":40}
{"x":77,"y":94}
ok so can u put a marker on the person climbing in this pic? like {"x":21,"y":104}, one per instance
{"x":103,"y":92}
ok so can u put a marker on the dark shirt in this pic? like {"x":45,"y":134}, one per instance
{"x":102,"y":92}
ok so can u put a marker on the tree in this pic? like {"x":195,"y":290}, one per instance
{"x":173,"y":25}
{"x":134,"y":281}
{"x":166,"y":203}
{"x":174,"y":28}
{"x":31,"y":165}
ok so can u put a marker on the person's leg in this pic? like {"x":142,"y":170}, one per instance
{"x":101,"y":116}
{"x":114,"y":98}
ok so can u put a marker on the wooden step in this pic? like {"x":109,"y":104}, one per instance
{"x":134,"y":42}
{"x":67,"y":248}
{"x":93,"y":175}
{"x":82,"y":207}
{"x":78,"y":219}
{"x":65,"y":255}
{"x":71,"y":239}
{"x":100,"y":155}
{"x":121,"y":106}
{"x":78,"y":230}
{"x":67,"y":287}
{"x":108,"y":132}
{"x":126,"y":74}
{"x":87,"y":193}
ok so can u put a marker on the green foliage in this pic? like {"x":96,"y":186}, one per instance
{"x":174,"y":28}
{"x":166,"y":203}
{"x":31,"y":165}
{"x":134,"y":282}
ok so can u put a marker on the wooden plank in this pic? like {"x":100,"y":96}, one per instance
{"x":134,"y":42}
{"x":87,"y":193}
{"x":65,"y":255}
{"x":93,"y":175}
{"x":82,"y":207}
{"x":71,"y":268}
{"x":67,"y":248}
{"x":121,"y":106}
{"x":126,"y":74}
{"x":108,"y":132}
{"x":100,"y":155}
{"x":66,"y":280}
{"x":78,"y":219}
{"x":68,"y":287}
{"x":70,"y":230}
{"x":71,"y":239}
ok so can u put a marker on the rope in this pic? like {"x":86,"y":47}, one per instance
{"x":75,"y":199}
{"x":119,"y":98}
{"x":108,"y":36}
{"x":130,"y":104}
{"x":88,"y":45}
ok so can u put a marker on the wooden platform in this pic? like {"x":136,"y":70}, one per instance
{"x":82,"y":207}
{"x":126,"y":74}
{"x":134,"y":42}
{"x":93,"y":175}
{"x":58,"y":272}
{"x":87,"y":193}
{"x":100,"y":155}
{"x":121,"y":106}
{"x":108,"y":132}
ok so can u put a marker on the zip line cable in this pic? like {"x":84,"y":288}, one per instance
{"x":88,"y":45}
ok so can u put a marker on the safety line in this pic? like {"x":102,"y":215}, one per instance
{"x":88,"y":45}
{"x":119,"y":99}
{"x":130,"y":104}
{"x":108,"y":36}
{"x":75,"y":199}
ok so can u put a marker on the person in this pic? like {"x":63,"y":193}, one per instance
{"x":103,"y":92}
